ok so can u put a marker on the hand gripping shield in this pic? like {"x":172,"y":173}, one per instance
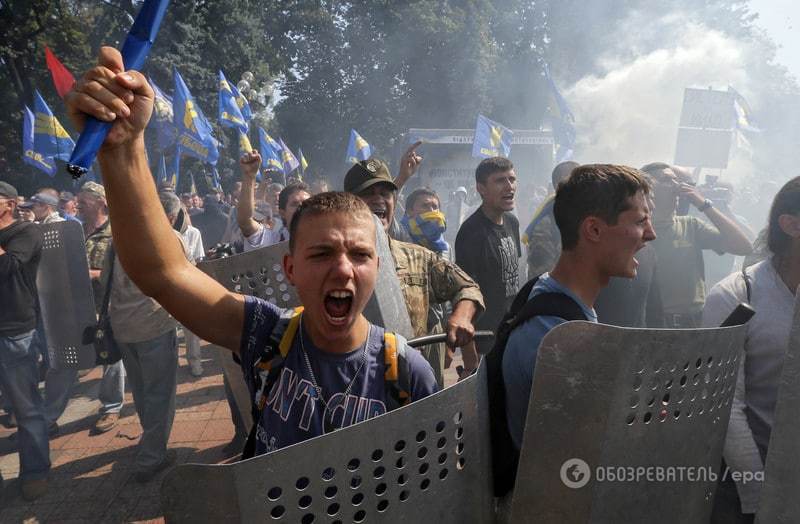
{"x":426,"y":462}
{"x":626,"y":425}
{"x":65,"y":295}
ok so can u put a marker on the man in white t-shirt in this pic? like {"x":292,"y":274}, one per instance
{"x":257,"y":234}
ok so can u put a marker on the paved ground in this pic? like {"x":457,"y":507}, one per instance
{"x":91,"y":477}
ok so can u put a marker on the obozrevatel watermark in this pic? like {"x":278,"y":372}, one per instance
{"x":576,"y":473}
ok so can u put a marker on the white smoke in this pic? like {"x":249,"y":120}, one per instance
{"x":629,"y":113}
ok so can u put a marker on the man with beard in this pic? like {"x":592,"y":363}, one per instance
{"x":425,"y":277}
{"x":330,"y":358}
{"x":488,"y":244}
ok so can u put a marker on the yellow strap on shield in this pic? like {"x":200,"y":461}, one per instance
{"x":291,"y":330}
{"x":390,"y":356}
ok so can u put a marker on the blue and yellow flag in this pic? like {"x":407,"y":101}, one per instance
{"x":195,"y":135}
{"x":290,"y":162}
{"x":563,"y":121}
{"x":491,"y":139}
{"x":29,"y":154}
{"x":162,"y":118}
{"x":358,"y":148}
{"x":49,"y":137}
{"x":175,"y":175}
{"x":270,"y":150}
{"x":215,"y":181}
{"x":545,"y":209}
{"x":244,"y":143}
{"x":303,"y":161}
{"x":229,"y":113}
{"x":242,"y":103}
{"x":162,"y":171}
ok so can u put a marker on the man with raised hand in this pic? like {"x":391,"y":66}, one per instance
{"x":425,"y":277}
{"x":257,"y":234}
{"x":336,"y":360}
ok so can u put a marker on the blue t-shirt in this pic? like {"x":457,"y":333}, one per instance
{"x":519,"y":358}
{"x":293,"y":412}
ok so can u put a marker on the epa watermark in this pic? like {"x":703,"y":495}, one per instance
{"x":576,"y":473}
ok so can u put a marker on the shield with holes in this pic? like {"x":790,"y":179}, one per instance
{"x":426,"y":462}
{"x":260,"y":273}
{"x":779,"y":501}
{"x":65,"y":295}
{"x":626,"y":425}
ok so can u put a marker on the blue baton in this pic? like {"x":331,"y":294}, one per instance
{"x":134,"y":53}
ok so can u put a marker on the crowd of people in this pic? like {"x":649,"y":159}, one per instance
{"x":611,"y":243}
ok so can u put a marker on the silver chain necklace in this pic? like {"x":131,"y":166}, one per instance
{"x":329,"y":427}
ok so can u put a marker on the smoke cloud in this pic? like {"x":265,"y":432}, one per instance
{"x":629,"y":112}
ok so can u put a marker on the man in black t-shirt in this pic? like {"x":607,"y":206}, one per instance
{"x":487,"y":245}
{"x":20,"y":251}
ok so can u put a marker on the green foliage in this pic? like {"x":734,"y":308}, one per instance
{"x":380,"y":66}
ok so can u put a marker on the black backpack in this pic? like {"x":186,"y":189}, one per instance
{"x":504,"y":455}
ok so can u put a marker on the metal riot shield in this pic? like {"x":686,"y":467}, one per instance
{"x":779,"y":500}
{"x":426,"y":462}
{"x":626,"y":425}
{"x":65,"y":295}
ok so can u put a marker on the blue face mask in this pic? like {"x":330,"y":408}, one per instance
{"x":427,"y":230}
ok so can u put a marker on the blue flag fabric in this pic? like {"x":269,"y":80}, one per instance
{"x":230,"y":115}
{"x":195,"y":136}
{"x":163,"y":118}
{"x":49,"y":137}
{"x":270,"y":150}
{"x":175,"y":175}
{"x":162,"y":171}
{"x":290,"y":162}
{"x":215,"y":181}
{"x":357,"y":149}
{"x":29,"y":153}
{"x":563,"y":122}
{"x":244,"y":143}
{"x":303,"y":161}
{"x":491,"y":139}
{"x":242,"y":103}
{"x":134,"y":52}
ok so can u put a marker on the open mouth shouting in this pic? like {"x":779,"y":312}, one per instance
{"x":338,"y":304}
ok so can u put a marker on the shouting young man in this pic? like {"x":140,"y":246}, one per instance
{"x":330,"y":367}
{"x":604,"y":219}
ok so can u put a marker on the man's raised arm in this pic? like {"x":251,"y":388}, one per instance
{"x":244,"y":209}
{"x":146,"y":245}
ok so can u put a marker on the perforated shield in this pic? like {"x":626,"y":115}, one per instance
{"x":779,"y":500}
{"x":65,"y":295}
{"x":612,"y":402}
{"x":427,"y":462}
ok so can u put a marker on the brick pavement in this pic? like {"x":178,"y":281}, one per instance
{"x":91,"y":476}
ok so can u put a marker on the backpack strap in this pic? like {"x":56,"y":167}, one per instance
{"x":747,"y":285}
{"x":268,"y":368}
{"x":504,"y":455}
{"x":395,"y":375}
{"x":548,"y":304}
